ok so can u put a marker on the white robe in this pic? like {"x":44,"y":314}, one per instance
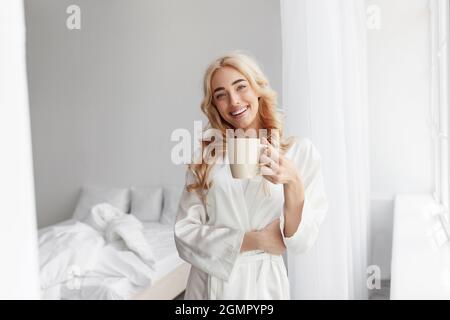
{"x":210,"y":238}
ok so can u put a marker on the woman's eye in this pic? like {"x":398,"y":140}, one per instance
{"x":220,"y":95}
{"x":241,"y":87}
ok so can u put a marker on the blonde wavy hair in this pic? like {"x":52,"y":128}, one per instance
{"x":270,"y":118}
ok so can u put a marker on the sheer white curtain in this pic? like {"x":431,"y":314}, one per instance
{"x":18,"y":240}
{"x":325,"y":99}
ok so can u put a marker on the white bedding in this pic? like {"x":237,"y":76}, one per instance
{"x":78,"y":262}
{"x":161,"y":240}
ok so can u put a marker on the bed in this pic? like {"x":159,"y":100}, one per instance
{"x":119,"y":244}
{"x":168,"y":279}
{"x":171,"y":271}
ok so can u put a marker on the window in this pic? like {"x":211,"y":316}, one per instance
{"x":439,"y":91}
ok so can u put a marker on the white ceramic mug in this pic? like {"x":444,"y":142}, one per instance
{"x":243,"y":156}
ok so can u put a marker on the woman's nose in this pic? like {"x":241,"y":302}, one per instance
{"x":235,"y":100}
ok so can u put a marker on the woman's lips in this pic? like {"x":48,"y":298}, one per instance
{"x":239,"y":112}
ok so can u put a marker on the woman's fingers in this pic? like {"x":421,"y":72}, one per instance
{"x":264,"y":160}
{"x":267,"y":173}
{"x":270,"y":163}
{"x":270,"y":151}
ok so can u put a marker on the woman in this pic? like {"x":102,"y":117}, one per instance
{"x":232,"y":233}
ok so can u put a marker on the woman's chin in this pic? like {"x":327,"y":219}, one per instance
{"x":241,"y":124}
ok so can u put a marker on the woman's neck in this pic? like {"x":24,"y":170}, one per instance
{"x":255,"y":126}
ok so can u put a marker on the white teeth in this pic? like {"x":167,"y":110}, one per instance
{"x":239,"y":111}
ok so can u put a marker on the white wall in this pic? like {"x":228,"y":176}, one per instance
{"x":105,"y":99}
{"x":399,"y":75}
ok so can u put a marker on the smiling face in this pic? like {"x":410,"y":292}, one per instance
{"x":235,"y":99}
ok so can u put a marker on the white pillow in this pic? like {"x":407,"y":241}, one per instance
{"x":92,"y":195}
{"x":172,"y":195}
{"x":146,"y":203}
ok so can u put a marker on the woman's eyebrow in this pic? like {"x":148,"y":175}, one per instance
{"x":237,"y":81}
{"x":234,"y":82}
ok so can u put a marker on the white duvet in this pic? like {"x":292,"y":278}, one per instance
{"x":106,"y":256}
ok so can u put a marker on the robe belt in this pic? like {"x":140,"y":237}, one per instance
{"x":256,"y":255}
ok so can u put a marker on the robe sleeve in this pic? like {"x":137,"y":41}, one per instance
{"x":212,"y":249}
{"x":315,"y":206}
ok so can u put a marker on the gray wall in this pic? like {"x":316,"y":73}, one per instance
{"x":105,"y":99}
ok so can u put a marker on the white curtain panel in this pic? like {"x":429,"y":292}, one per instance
{"x":325,"y":99}
{"x":18,"y":235}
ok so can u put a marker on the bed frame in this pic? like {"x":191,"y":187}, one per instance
{"x":168,"y":287}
